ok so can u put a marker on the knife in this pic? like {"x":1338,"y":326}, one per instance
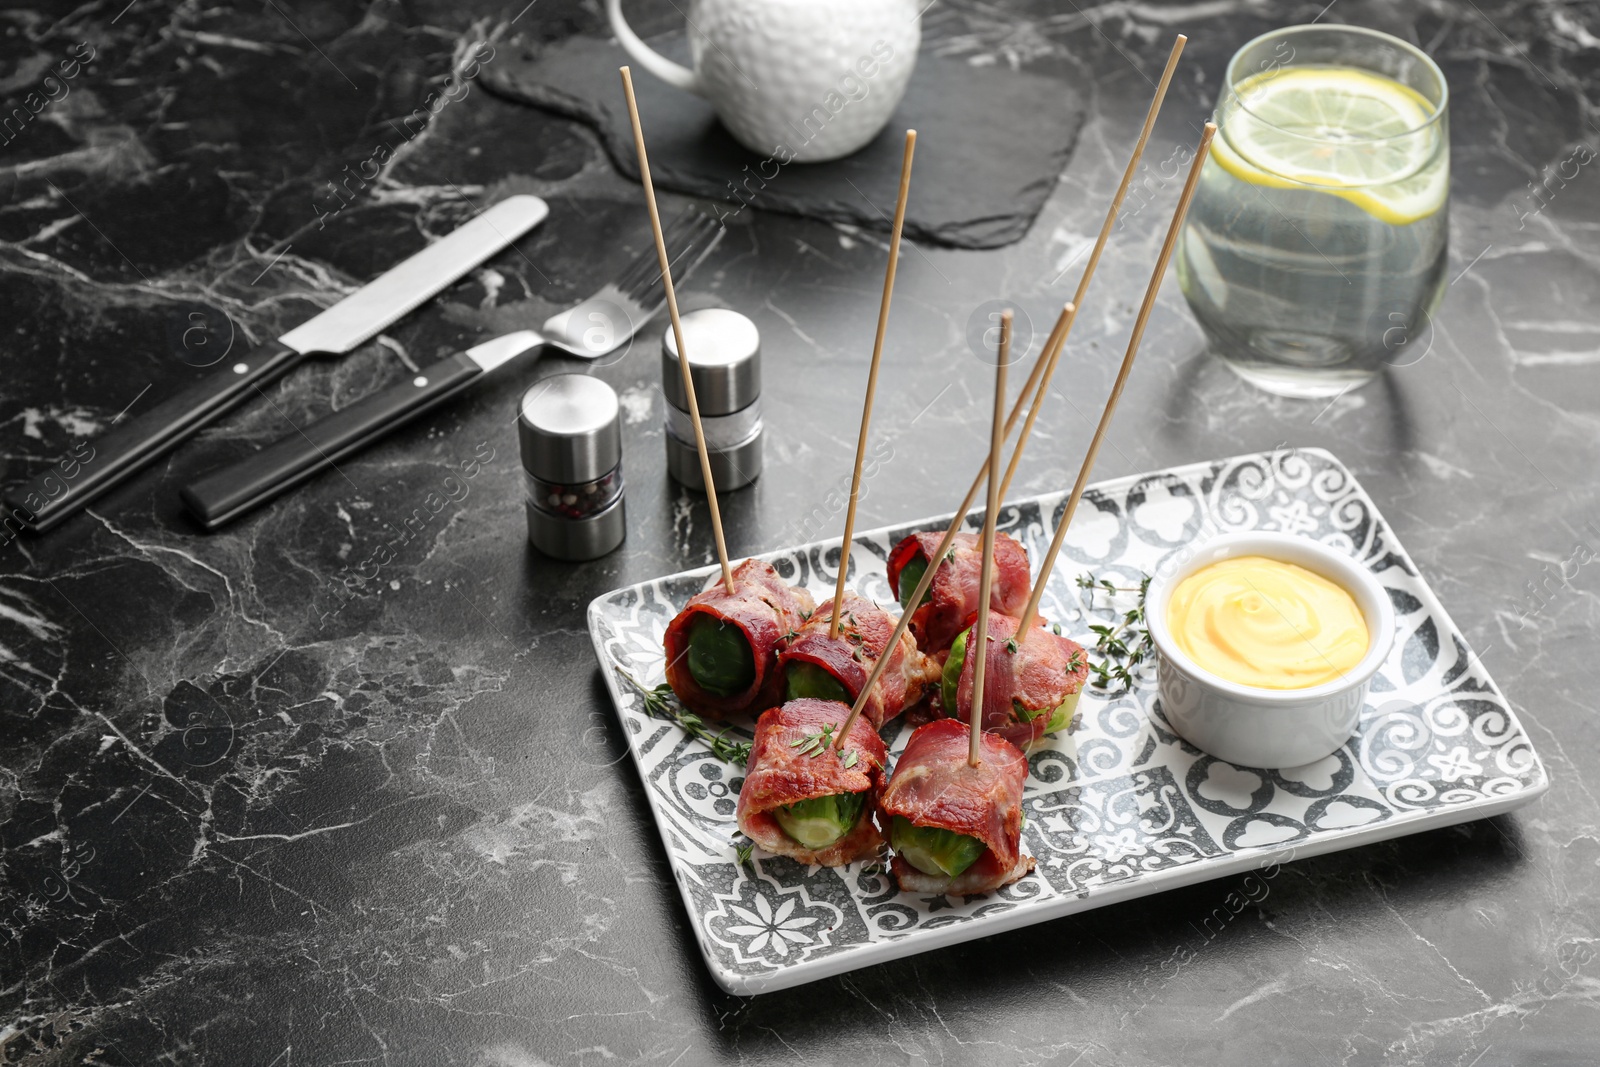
{"x":590,"y":329}
{"x":77,"y":480}
{"x":221,"y":496}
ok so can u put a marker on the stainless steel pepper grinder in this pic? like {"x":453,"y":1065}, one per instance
{"x":725,"y":365}
{"x":571,"y":443}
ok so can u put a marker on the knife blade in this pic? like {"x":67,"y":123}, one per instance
{"x":75,"y":481}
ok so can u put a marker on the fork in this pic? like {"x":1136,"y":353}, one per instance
{"x":591,"y":329}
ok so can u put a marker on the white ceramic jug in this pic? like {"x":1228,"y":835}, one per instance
{"x":796,"y":80}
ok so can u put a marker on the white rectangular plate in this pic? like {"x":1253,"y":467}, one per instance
{"x":1124,"y":807}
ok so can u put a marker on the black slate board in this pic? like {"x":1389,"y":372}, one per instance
{"x":991,"y":142}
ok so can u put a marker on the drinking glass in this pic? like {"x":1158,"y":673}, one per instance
{"x":1316,"y":245}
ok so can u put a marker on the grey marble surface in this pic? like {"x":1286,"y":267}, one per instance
{"x":242,"y":828}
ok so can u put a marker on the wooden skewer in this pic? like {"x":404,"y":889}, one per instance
{"x":1070,"y":315}
{"x":1051,"y":345}
{"x":980,"y":636}
{"x":1099,"y":247}
{"x":1048,"y":357}
{"x":872,"y":380}
{"x":677,"y":327}
{"x":1139,"y":323}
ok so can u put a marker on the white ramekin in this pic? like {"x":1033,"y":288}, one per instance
{"x":1255,"y":727}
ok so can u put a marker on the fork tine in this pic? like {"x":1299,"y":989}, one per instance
{"x":690,"y":238}
{"x":683,"y":239}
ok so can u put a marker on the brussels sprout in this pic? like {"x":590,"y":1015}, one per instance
{"x":933,"y":850}
{"x":720,"y":659}
{"x":910,"y":575}
{"x":1060,"y":715}
{"x":803,"y":679}
{"x":820,"y":821}
{"x":950,"y":680}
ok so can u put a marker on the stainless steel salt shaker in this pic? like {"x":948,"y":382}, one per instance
{"x":570,"y":436}
{"x":725,"y":365}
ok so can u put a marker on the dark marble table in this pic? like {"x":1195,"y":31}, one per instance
{"x":238,"y":829}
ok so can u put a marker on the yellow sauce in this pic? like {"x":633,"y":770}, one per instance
{"x":1265,"y":623}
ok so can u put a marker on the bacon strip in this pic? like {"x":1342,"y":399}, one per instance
{"x":953,"y":596}
{"x":933,"y":786}
{"x":984,"y":875}
{"x":765,"y":608}
{"x":782,"y":772}
{"x":1037,"y":672}
{"x":864,"y":630}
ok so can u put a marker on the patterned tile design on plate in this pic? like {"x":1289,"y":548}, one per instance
{"x":1123,"y":799}
{"x":1115,"y":828}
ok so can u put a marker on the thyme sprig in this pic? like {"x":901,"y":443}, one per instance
{"x":662,"y":703}
{"x":816,"y":744}
{"x":1122,"y":645}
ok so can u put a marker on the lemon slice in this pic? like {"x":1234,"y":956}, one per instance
{"x":1353,"y":134}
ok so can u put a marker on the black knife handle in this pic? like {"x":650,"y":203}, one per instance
{"x":96,"y":466}
{"x":225,"y":494}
